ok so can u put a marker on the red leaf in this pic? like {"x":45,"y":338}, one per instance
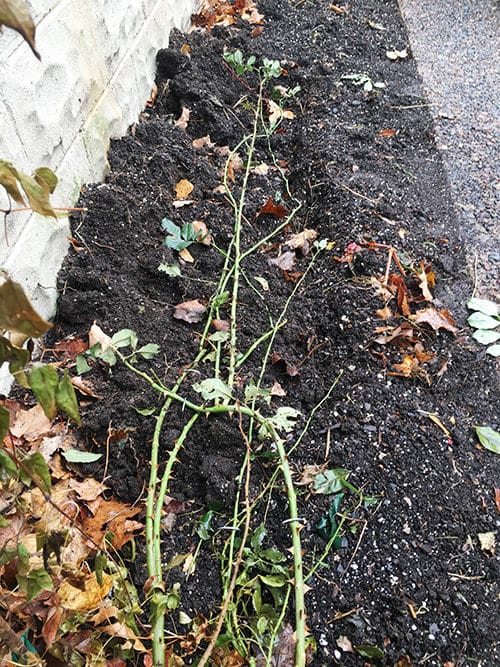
{"x":270,"y":208}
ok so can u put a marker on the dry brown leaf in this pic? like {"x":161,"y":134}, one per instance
{"x":89,"y":596}
{"x":97,"y":336}
{"x":404,"y":661}
{"x":84,"y":387}
{"x":309,"y":472}
{"x":152,"y":98}
{"x":497,"y":499}
{"x":302,"y":241}
{"x":183,"y":189}
{"x":30,"y":424}
{"x":283,"y":366}
{"x":260,"y":170}
{"x":276,"y":113}
{"x":69,"y":348}
{"x":221,"y":325}
{"x":337,"y":9}
{"x":283,"y":652}
{"x":89,"y":489}
{"x":203,"y":235}
{"x":285,"y":261}
{"x":422,"y":355}
{"x":190,"y":311}
{"x":55,"y":617}
{"x":387,"y":133}
{"x":114,"y":517}
{"x":121,"y":630}
{"x":384,"y":313}
{"x":270,"y":208}
{"x":203,"y":141}
{"x":345,"y":644}
{"x":437,"y":319}
{"x":185,"y":49}
{"x":183,"y":120}
{"x":401,"y":336}
{"x":407,"y":367}
{"x":185,"y":255}
{"x":277,"y":389}
{"x":423,"y":283}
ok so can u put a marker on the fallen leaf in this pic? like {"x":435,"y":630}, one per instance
{"x":489,"y":438}
{"x":89,"y":596}
{"x":285,"y":261}
{"x":221,"y":325}
{"x":497,"y":499}
{"x":421,"y":354}
{"x":292,"y":276}
{"x":410,"y":367}
{"x":55,"y":617}
{"x":185,"y":49}
{"x":401,"y":336}
{"x":404,"y":661}
{"x":437,"y":319}
{"x":277,"y":389}
{"x":183,"y":189}
{"x":30,"y":424}
{"x":350,"y":251}
{"x":487,"y":543}
{"x":387,"y":133}
{"x":182,"y":122}
{"x":283,"y":366}
{"x":260,"y":170}
{"x":257,"y":31}
{"x":190,"y":311}
{"x":276,"y":113}
{"x":152,"y":98}
{"x":384,"y":313}
{"x":203,"y":141}
{"x":337,"y":9}
{"x":69,"y":348}
{"x":84,"y":387}
{"x":302,"y":240}
{"x":345,"y":644}
{"x":203,"y":236}
{"x":97,"y":336}
{"x":111,"y":516}
{"x":270,"y":208}
{"x":89,"y":489}
{"x":185,"y":255}
{"x":122,"y":630}
{"x":424,"y":285}
{"x":397,"y":284}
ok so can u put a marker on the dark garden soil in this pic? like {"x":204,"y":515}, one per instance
{"x":410,"y":576}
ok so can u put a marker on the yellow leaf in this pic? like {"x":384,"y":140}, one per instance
{"x":89,"y":597}
{"x":183,"y":189}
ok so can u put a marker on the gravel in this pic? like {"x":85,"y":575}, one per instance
{"x":456,"y":46}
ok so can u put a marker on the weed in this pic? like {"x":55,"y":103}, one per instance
{"x":486,"y":320}
{"x":362,"y":79}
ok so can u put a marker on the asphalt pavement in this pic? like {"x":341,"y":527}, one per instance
{"x":456,"y":44}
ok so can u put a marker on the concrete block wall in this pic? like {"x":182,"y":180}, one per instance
{"x":96,"y":73}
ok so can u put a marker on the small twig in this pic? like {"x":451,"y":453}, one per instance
{"x":361,"y":196}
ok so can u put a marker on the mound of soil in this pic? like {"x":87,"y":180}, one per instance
{"x":409,"y":576}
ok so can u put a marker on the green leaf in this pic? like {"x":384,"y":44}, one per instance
{"x":284,"y":420}
{"x":43,"y":380}
{"x":23,"y":559}
{"x":331,"y":481}
{"x":82,"y":365}
{"x":489,"y":438}
{"x":486,"y":336}
{"x":149,"y":351}
{"x":7,"y":467}
{"x":77,"y":456}
{"x":273,"y":580}
{"x":212,"y":389}
{"x":100,"y":562}
{"x":4,"y":422}
{"x":369,"y":651}
{"x":15,"y":14}
{"x":66,"y":399}
{"x":204,"y":527}
{"x":38,"y":470}
{"x":494,"y":350}
{"x":482,"y":321}
{"x":17,"y":314}
{"x":219,"y":299}
{"x":327,"y":526}
{"x":219,"y":337}
{"x":17,"y":357}
{"x":34,"y":582}
{"x":483,"y":306}
{"x":253,"y":392}
{"x":145,"y":412}
{"x":125,"y":338}
{"x":173,"y":270}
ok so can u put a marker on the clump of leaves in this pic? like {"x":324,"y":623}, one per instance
{"x":362,"y":79}
{"x":104,"y":348}
{"x":179,"y":238}
{"x":486,"y":320}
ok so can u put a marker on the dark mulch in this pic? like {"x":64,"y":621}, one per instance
{"x":412,"y":578}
